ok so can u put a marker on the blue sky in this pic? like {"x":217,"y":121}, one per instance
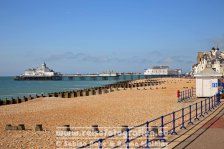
{"x":82,"y":36}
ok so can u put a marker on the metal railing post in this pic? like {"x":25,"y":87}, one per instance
{"x":100,"y":143}
{"x":181,"y":95}
{"x":147,"y":134}
{"x":180,"y":98}
{"x":127,"y":139}
{"x":189,"y":96}
{"x":209,"y":104}
{"x":174,"y":129}
{"x":206,"y":112}
{"x":217,"y":99}
{"x":212,"y":102}
{"x":190,"y":121}
{"x":191,"y":92}
{"x":182,"y":127}
{"x":201,"y":113}
{"x":187,"y":92}
{"x":196,"y":110}
{"x":162,"y":127}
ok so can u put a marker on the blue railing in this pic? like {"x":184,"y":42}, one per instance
{"x":186,"y":94}
{"x":175,"y":120}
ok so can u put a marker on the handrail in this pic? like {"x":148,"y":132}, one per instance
{"x":185,"y":94}
{"x":195,"y":111}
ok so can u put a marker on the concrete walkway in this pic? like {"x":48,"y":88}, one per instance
{"x":207,"y":135}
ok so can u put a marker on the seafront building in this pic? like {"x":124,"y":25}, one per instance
{"x":40,"y":73}
{"x":43,"y":70}
{"x":214,"y":58}
{"x":162,"y":70}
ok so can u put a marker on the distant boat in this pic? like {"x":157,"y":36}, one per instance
{"x":40,"y":73}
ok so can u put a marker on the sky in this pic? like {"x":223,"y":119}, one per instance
{"x":90,"y":36}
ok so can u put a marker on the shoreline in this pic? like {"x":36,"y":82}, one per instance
{"x":125,"y":107}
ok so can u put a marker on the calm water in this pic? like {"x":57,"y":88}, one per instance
{"x":11,"y":88}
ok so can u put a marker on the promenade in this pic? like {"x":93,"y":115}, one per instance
{"x":206,"y":134}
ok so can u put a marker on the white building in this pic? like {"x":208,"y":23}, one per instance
{"x":162,"y":70}
{"x":207,"y":82}
{"x":43,"y":70}
{"x":215,"y":58}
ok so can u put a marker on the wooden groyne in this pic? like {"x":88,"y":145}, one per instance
{"x":122,"y":85}
{"x":105,"y":89}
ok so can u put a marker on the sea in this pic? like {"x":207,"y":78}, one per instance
{"x":10,"y":88}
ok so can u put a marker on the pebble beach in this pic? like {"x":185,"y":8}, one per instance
{"x":125,"y":107}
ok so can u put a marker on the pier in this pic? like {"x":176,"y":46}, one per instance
{"x":119,"y":77}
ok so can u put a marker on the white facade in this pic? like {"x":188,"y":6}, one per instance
{"x":201,"y":66}
{"x":152,"y":71}
{"x":207,"y":82}
{"x":162,"y":70}
{"x":206,"y":87}
{"x":43,"y":70}
{"x":215,"y":58}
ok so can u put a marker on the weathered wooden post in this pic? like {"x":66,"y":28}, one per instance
{"x":39,"y":127}
{"x":22,"y":99}
{"x":95,"y":128}
{"x":25,"y":98}
{"x":73,"y":94}
{"x":86,"y":92}
{"x":66,"y":128}
{"x":10,"y":127}
{"x":14,"y":101}
{"x":111,"y":89}
{"x":8,"y":101}
{"x":1,"y":102}
{"x":19,"y":100}
{"x":79,"y":93}
{"x":99,"y":91}
{"x":69,"y":94}
{"x":50,"y":94}
{"x":4,"y":101}
{"x":56,"y":94}
{"x":104,"y":91}
{"x":93,"y":91}
{"x":60,"y":94}
{"x":21,"y":127}
{"x":65,"y":95}
{"x":130,"y":86}
{"x":124,"y":128}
